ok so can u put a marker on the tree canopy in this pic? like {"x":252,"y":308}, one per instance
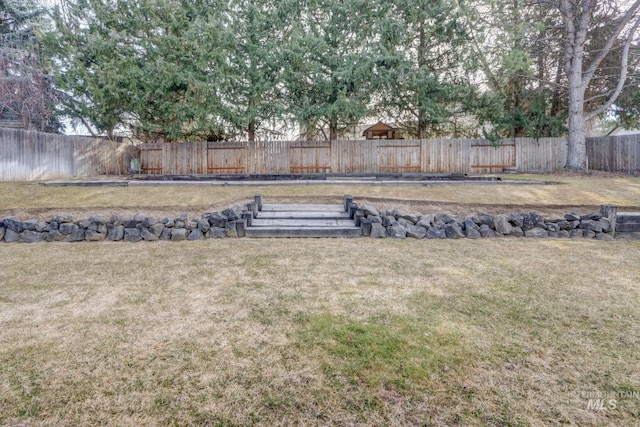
{"x":180,"y":70}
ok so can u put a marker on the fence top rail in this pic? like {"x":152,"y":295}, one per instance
{"x":373,"y":142}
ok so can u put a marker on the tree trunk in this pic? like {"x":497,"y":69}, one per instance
{"x":576,"y":24}
{"x":333,"y":130}
{"x":576,"y":143}
{"x":422,"y":125}
{"x":422,"y":47}
{"x":251,"y":131}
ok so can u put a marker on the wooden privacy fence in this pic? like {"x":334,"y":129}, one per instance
{"x":367,"y":156}
{"x":31,"y":156}
{"x":614,"y":153}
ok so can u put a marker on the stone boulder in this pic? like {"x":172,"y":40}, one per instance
{"x":503,"y":225}
{"x":178,"y":234}
{"x":536,"y":232}
{"x":132,"y":234}
{"x":397,"y":231}
{"x":415,"y":231}
{"x":436,"y":233}
{"x":369,"y":210}
{"x":378,"y":230}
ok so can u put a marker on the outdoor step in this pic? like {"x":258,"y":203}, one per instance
{"x":303,"y":232}
{"x":626,"y":217}
{"x":302,"y":208}
{"x":302,"y":215}
{"x":304,"y":222}
{"x":628,"y":227}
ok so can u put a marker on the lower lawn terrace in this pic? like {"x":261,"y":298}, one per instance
{"x":234,"y":332}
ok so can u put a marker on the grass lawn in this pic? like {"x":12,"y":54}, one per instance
{"x":321,"y":331}
{"x":575,"y":190}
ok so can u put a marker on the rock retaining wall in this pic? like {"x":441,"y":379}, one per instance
{"x":228,"y":223}
{"x":232,"y":222}
{"x":398,"y":224}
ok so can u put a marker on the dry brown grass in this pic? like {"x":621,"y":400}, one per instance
{"x":581,"y":192}
{"x":319,"y":332}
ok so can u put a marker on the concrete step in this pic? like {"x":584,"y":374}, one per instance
{"x":303,"y":232}
{"x":303,"y":222}
{"x":302,"y":215}
{"x":628,"y":224}
{"x":301,"y":208}
{"x":627,"y":217}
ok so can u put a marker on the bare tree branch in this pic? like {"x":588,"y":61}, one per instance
{"x":623,"y":75}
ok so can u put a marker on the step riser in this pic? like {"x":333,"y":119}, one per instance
{"x":302,"y":208}
{"x":302,"y":232}
{"x":301,"y":215}
{"x":303,"y":223}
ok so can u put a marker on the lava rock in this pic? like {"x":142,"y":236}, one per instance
{"x":94,"y":236}
{"x":503,"y":225}
{"x":178,"y":234}
{"x":115,"y":233}
{"x":216,"y":233}
{"x":369,"y":210}
{"x":436,"y":233}
{"x":132,"y":235}
{"x":536,"y":232}
{"x":415,"y":231}
{"x":30,"y":236}
{"x":453,"y":231}
{"x":397,"y":231}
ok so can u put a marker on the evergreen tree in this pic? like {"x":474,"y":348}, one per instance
{"x":422,"y":67}
{"x":150,"y":66}
{"x":330,"y":62}
{"x":251,"y":84}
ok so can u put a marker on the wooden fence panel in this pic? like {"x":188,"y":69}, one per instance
{"x":491,"y":158}
{"x":447,"y":156}
{"x":399,"y":156}
{"x":31,"y":156}
{"x":180,"y":158}
{"x":356,"y":156}
{"x":614,"y":153}
{"x":310,"y":157}
{"x":227,"y":157}
{"x":152,"y":158}
{"x":543,"y":155}
{"x":266,"y":157}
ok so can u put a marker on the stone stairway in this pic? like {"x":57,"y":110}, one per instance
{"x":298,"y":220}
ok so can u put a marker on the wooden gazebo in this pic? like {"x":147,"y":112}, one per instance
{"x":382,"y":131}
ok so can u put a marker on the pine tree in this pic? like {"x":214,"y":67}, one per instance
{"x":330,"y":61}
